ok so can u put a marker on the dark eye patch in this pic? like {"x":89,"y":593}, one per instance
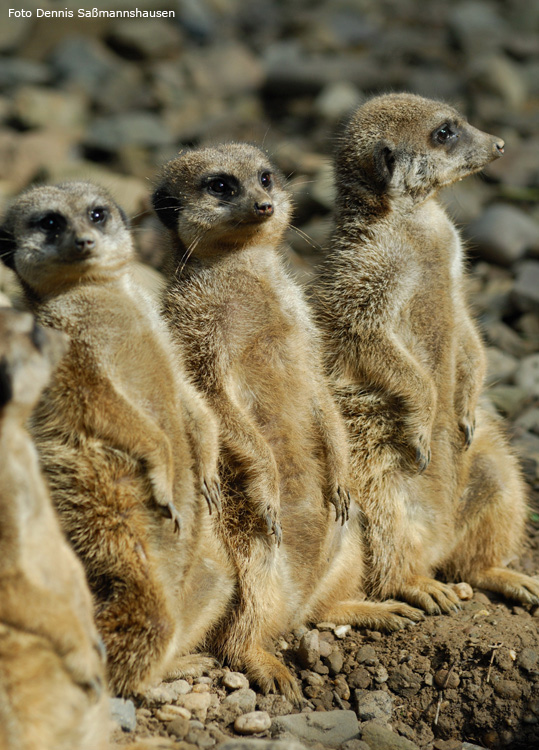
{"x":221,"y":185}
{"x":51,"y":223}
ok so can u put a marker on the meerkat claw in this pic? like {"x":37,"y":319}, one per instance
{"x":211,"y":495}
{"x":273,"y":528}
{"x":170,"y":511}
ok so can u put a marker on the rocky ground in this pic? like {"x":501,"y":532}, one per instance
{"x":112,"y":100}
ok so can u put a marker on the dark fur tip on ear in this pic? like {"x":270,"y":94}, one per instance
{"x":384,"y":163}
{"x":166,"y":207}
{"x":7,"y":248}
{"x":6,"y":387}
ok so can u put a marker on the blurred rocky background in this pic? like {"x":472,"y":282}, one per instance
{"x":111,"y":100}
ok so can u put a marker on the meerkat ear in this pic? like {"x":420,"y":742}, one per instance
{"x":7,"y":247}
{"x":383,"y":163}
{"x":6,"y":387}
{"x":166,"y":207}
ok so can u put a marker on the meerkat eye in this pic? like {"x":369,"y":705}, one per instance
{"x":51,"y":223}
{"x":444,"y":134}
{"x":266,"y":180}
{"x":98,"y":215}
{"x":219,"y":186}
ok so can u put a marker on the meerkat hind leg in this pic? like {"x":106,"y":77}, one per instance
{"x":270,"y":674}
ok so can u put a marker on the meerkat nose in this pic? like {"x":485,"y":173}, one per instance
{"x":498,"y":147}
{"x":84,"y":243}
{"x":264,"y":209}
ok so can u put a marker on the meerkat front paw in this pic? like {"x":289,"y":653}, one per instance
{"x":340,"y":499}
{"x":467,"y":427}
{"x":422,"y":452}
{"x":434,"y":597}
{"x":211,"y":491}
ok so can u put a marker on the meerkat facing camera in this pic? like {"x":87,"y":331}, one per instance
{"x":124,"y":439}
{"x":436,"y":480}
{"x":52,"y":672}
{"x":250,"y":346}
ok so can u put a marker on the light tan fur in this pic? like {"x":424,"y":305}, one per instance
{"x":127,"y":444}
{"x":251,"y":347}
{"x":52,"y":672}
{"x":407,"y":363}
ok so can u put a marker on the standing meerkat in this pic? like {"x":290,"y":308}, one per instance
{"x":52,"y":672}
{"x":251,"y":348}
{"x":436,"y":480}
{"x":126,"y":442}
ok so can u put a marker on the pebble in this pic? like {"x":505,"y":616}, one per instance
{"x":253,"y":722}
{"x":334,"y":662}
{"x":134,"y":128}
{"x":526,"y":286}
{"x":380,"y":675}
{"x":527,"y":659}
{"x":507,"y":399}
{"x":331,"y":728}
{"x":507,"y":689}
{"x":446,"y":680}
{"x":167,"y":692}
{"x":503,"y":234}
{"x":380,"y":737}
{"x":500,"y":366}
{"x":178,"y":727}
{"x":123,"y":712}
{"x":341,"y":631}
{"x":145,"y":38}
{"x":170,"y":712}
{"x":244,"y":699}
{"x":367,"y":655}
{"x":373,"y":704}
{"x":404,"y":681}
{"x":196,"y":703}
{"x":308,"y":651}
{"x":360,"y":678}
{"x":527,"y":374}
{"x":235,"y":680}
{"x":463,"y":590}
{"x":260,"y":744}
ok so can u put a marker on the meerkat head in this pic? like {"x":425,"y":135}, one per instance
{"x":55,"y":236}
{"x":28,"y":353}
{"x":402,"y":144}
{"x":220,"y":198}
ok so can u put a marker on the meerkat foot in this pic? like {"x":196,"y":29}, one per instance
{"x":273,"y":528}
{"x":509,"y":583}
{"x":271,"y":675}
{"x":387,"y":616}
{"x":467,"y":427}
{"x":191,"y":665}
{"x":211,"y":490}
{"x":340,"y":499}
{"x":432,"y":596}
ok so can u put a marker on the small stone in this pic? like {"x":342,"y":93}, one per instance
{"x":308,"y":651}
{"x":337,"y":99}
{"x":354,"y":745}
{"x":244,"y":699}
{"x":404,"y":681}
{"x":196,"y":703}
{"x":170,"y":712}
{"x":334,"y":662}
{"x":503,"y":234}
{"x":138,"y":38}
{"x":507,"y":399}
{"x":253,"y":722}
{"x":447,"y":745}
{"x":500,"y":366}
{"x":167,"y":692}
{"x":141,"y":128}
{"x":330,"y":728}
{"x":325,"y":648}
{"x":360,"y":678}
{"x":259,"y":744}
{"x":341,"y":688}
{"x":527,"y":374}
{"x":380,"y":675}
{"x":341,"y":631}
{"x":527,"y":659}
{"x":235,"y":680}
{"x":201,"y":687}
{"x":379,"y":737}
{"x":367,"y":655}
{"x":463,"y":590}
{"x":123,"y":713}
{"x":446,"y":679}
{"x":526,"y":287}
{"x":508,"y":689}
{"x":311,"y":678}
{"x":178,"y":727}
{"x":324,"y":626}
{"x":373,"y":704}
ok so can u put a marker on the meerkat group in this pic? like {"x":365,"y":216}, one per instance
{"x":245,"y":460}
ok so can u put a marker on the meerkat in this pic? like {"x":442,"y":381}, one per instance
{"x":251,"y":348}
{"x":127,"y":444}
{"x":438,"y":485}
{"x":52,"y":672}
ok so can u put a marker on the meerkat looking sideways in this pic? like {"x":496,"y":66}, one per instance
{"x":127,"y":444}
{"x":251,"y":348}
{"x":436,"y":480}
